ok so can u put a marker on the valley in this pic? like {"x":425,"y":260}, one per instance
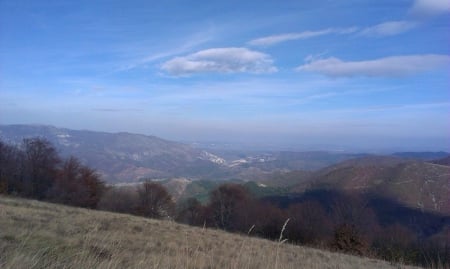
{"x":347,"y":202}
{"x":414,"y":179}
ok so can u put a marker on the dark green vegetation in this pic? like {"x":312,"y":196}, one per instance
{"x":182,"y":189}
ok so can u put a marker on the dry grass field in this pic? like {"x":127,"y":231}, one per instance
{"x":42,"y":235}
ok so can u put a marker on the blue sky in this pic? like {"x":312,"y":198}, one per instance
{"x":353,"y":74}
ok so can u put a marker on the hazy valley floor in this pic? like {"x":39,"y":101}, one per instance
{"x":41,"y":235}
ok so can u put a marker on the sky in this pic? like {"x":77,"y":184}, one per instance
{"x":322,"y":74}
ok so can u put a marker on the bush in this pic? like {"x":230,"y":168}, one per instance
{"x":347,"y":239}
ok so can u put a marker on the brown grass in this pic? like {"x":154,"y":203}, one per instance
{"x":42,"y":235}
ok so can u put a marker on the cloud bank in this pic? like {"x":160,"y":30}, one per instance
{"x":389,"y":28}
{"x":220,"y":60}
{"x":275,"y":39}
{"x":395,"y":66}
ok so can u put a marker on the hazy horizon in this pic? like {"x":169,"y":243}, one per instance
{"x":245,"y":144}
{"x":350,"y":75}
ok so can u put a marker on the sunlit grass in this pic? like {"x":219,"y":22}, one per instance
{"x":42,"y":235}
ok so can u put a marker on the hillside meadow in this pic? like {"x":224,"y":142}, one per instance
{"x":43,"y":235}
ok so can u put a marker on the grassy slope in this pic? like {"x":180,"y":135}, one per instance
{"x":42,"y":235}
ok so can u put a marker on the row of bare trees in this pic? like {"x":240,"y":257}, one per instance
{"x":347,"y":225}
{"x":35,"y":170}
{"x":149,"y":199}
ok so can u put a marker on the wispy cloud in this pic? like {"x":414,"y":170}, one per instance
{"x":428,"y":8}
{"x":275,"y":39}
{"x":220,"y":60}
{"x":117,"y":110}
{"x":408,"y":107}
{"x":384,"y":67}
{"x":189,"y":44}
{"x":389,"y":28}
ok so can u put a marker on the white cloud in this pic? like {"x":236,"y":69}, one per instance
{"x":383,"y":29}
{"x":275,"y":39}
{"x":220,"y":60}
{"x":384,"y":67}
{"x":427,"y":8}
{"x":389,"y":28}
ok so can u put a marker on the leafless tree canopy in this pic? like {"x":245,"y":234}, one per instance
{"x":154,"y":201}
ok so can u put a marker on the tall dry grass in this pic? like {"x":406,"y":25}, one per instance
{"x":42,"y":235}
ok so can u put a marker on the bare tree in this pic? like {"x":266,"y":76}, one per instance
{"x":10,"y":158}
{"x":355,"y":223}
{"x":40,"y":166}
{"x":395,"y":243}
{"x":119,"y":199}
{"x":225,"y":203}
{"x":77,"y":185}
{"x":192,"y":212}
{"x":154,"y":201}
{"x":309,"y":223}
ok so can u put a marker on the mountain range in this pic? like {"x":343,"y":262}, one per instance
{"x":414,"y":179}
{"x":121,"y":157}
{"x":125,"y":157}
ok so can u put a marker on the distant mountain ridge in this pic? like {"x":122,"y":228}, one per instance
{"x":425,"y":155}
{"x":125,"y":157}
{"x":121,"y":156}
